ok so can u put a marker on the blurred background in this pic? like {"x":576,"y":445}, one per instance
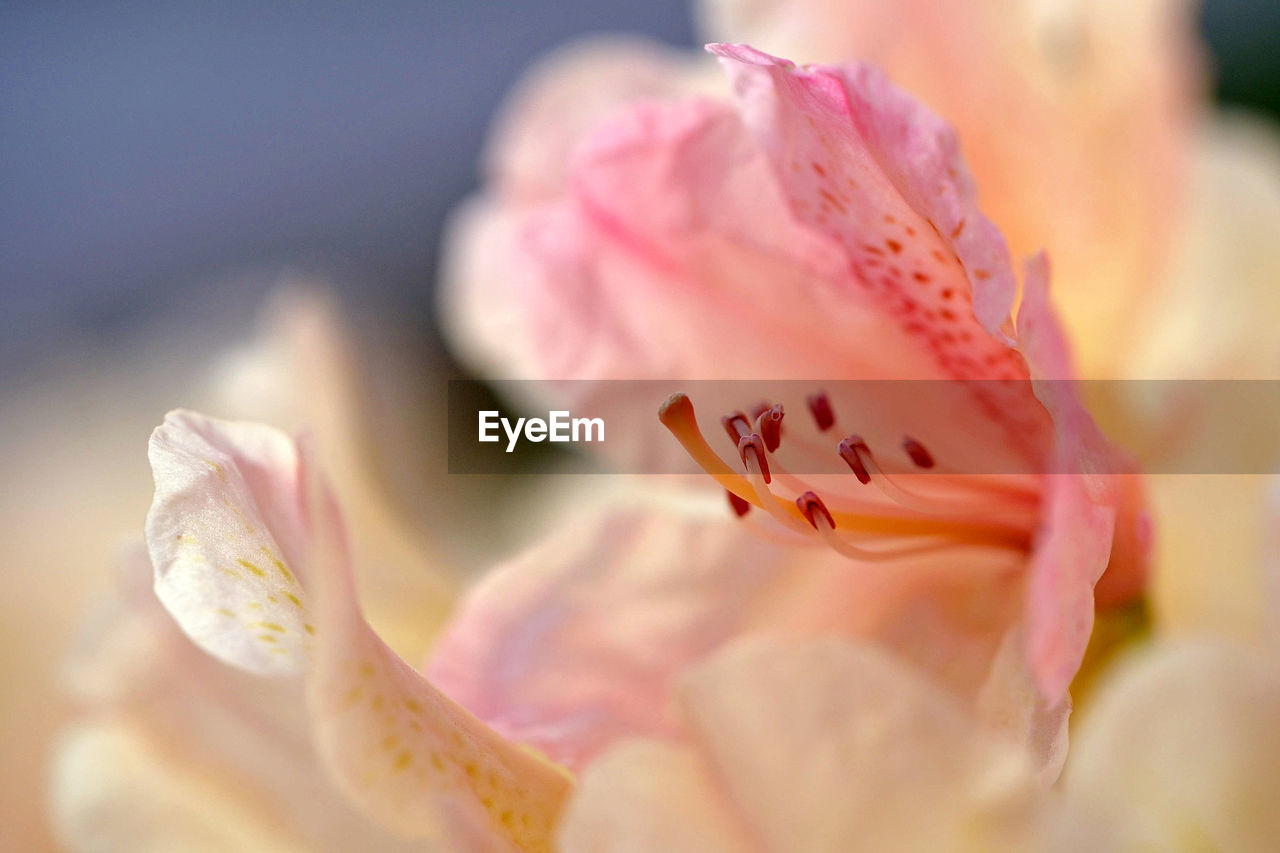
{"x":164,"y":165}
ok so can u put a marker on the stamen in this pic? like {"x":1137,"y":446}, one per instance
{"x":921,"y":457}
{"x":920,"y":503}
{"x":769,"y":423}
{"x":739,"y":506}
{"x":820,"y":408}
{"x":810,"y":504}
{"x":940,"y":524}
{"x":759,"y":409}
{"x":848,"y":450}
{"x":737,"y":425}
{"x":677,"y":415}
{"x":755,"y":444}
{"x":784,"y":512}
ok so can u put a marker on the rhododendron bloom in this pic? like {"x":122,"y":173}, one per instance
{"x":825,"y":218}
{"x":822,"y":224}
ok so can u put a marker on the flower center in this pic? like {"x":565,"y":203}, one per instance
{"x":882,"y":512}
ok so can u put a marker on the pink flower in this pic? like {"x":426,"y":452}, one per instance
{"x":826,"y":221}
{"x":821,"y":225}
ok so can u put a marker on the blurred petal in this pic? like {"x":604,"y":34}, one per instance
{"x":394,"y":742}
{"x":645,"y":795}
{"x":1210,"y":555}
{"x":565,"y":95}
{"x":305,"y":367}
{"x":1214,"y":320}
{"x":164,"y":726}
{"x":815,"y":746}
{"x":1179,"y":751}
{"x":115,"y":791}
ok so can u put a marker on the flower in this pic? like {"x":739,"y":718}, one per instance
{"x":826,"y":219}
{"x":252,"y":561}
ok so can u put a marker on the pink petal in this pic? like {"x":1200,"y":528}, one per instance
{"x":579,"y":642}
{"x":815,"y":745}
{"x":1079,"y":509}
{"x":866,"y":164}
{"x":1076,"y":119}
{"x":558,"y":101}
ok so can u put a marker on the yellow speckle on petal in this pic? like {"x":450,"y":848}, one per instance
{"x":402,"y":762}
{"x":222,"y":611}
{"x":253,"y":568}
{"x":280,"y":566}
{"x":310,"y":629}
{"x":272,"y":626}
{"x":293,"y":598}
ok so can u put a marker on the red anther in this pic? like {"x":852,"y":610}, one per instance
{"x":736,"y":424}
{"x":916,"y":451}
{"x":820,"y":408}
{"x":769,"y":423}
{"x":758,"y":409}
{"x":755,"y":444}
{"x":810,"y":504}
{"x":740,"y":507}
{"x":849,"y":451}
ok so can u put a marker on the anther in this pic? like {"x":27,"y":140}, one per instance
{"x":739,"y":506}
{"x":737,"y":425}
{"x":850,"y":451}
{"x":754,"y":445}
{"x":769,"y":423}
{"x":810,"y":504}
{"x":820,"y":408}
{"x":916,"y":451}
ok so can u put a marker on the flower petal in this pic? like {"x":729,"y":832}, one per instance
{"x":865,"y":163}
{"x":226,"y":537}
{"x":567,"y":93}
{"x":819,"y":746}
{"x":395,"y":743}
{"x":1075,"y":118}
{"x":163,"y":724}
{"x":1180,"y":749}
{"x":580,"y":641}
